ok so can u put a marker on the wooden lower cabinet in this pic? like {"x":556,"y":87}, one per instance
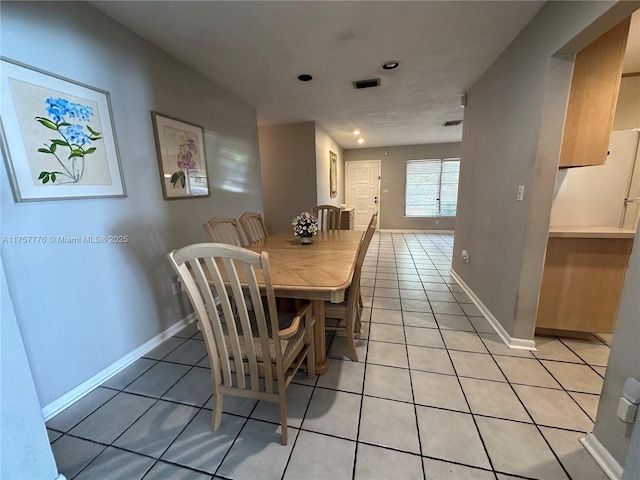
{"x":582,"y":283}
{"x":346,"y":219}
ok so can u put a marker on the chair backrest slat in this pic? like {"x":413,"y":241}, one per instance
{"x":261,"y":325}
{"x":374,"y":221}
{"x":272,"y":309}
{"x":232,"y":333}
{"x":223,"y":230}
{"x":328,"y":217}
{"x":352,"y":303}
{"x":211,"y":328}
{"x":253,"y":226}
{"x":243,"y":327}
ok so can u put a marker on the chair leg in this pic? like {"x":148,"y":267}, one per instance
{"x":311,"y":360}
{"x":217,"y":411}
{"x":283,"y":414}
{"x":358,"y":313}
{"x":351,"y":339}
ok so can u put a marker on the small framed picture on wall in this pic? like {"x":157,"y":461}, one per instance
{"x":181,"y":158}
{"x":333,"y":174}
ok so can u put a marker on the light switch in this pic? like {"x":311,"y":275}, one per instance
{"x":520,"y":192}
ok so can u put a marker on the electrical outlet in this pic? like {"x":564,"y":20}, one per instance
{"x":627,"y":411}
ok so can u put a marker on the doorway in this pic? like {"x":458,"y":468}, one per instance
{"x":363,"y":190}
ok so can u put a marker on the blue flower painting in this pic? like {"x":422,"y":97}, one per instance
{"x":73,"y":143}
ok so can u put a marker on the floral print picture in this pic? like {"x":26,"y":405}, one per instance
{"x":73,"y":140}
{"x":180,"y":148}
{"x":59,"y":137}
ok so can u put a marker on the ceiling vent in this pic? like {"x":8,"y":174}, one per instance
{"x":374,"y":82}
{"x":451,"y":123}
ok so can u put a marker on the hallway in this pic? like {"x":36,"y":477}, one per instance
{"x":436,"y":395}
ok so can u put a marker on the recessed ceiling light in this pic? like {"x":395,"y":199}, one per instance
{"x":361,"y":140}
{"x":305,"y":77}
{"x":356,"y":132}
{"x":392,"y":65}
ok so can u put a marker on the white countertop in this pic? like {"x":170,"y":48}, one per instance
{"x":589,"y":231}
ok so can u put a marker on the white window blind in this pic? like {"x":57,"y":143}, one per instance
{"x":432,"y":187}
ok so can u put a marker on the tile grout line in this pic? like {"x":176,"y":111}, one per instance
{"x":157,"y":400}
{"x":304,"y":416}
{"x":565,"y":390}
{"x":394,"y":241}
{"x":413,"y":397}
{"x":585,"y":362}
{"x":539,"y":430}
{"x":486,"y":451}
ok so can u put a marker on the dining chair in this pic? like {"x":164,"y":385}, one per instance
{"x":348,"y":312}
{"x":373,"y":222}
{"x":264,"y":347}
{"x":223,"y":230}
{"x":253,"y":226}
{"x":328,"y":217}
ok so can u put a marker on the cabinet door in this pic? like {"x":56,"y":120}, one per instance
{"x":582,"y":283}
{"x":592,"y":101}
{"x":346,"y":219}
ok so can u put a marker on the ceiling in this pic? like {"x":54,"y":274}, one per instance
{"x":257,"y":50}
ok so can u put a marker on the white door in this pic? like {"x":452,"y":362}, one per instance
{"x":631,"y":213}
{"x":363,"y":185}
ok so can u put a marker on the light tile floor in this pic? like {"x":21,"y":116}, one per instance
{"x":436,"y":395}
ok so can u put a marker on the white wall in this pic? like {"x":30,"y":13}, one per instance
{"x":80,"y":308}
{"x":325,"y":144}
{"x":595,"y":195}
{"x":628,"y":106}
{"x":288,"y":157}
{"x":624,"y":361}
{"x":25,"y":453}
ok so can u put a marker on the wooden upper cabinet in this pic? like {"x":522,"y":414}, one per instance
{"x":592,"y":101}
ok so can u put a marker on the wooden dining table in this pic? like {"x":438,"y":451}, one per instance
{"x":319,"y":272}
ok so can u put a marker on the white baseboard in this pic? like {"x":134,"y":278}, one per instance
{"x":402,"y":230}
{"x":84,"y":388}
{"x":511,"y":342}
{"x":603,"y":458}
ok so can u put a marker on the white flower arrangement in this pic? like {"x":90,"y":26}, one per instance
{"x":305,"y":225}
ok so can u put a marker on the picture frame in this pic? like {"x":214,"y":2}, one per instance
{"x":181,"y":158}
{"x":333,"y":174}
{"x":57,"y":137}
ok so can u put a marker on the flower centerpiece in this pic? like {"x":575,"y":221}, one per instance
{"x":305,"y":226}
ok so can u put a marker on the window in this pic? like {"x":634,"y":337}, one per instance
{"x":432,"y":188}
